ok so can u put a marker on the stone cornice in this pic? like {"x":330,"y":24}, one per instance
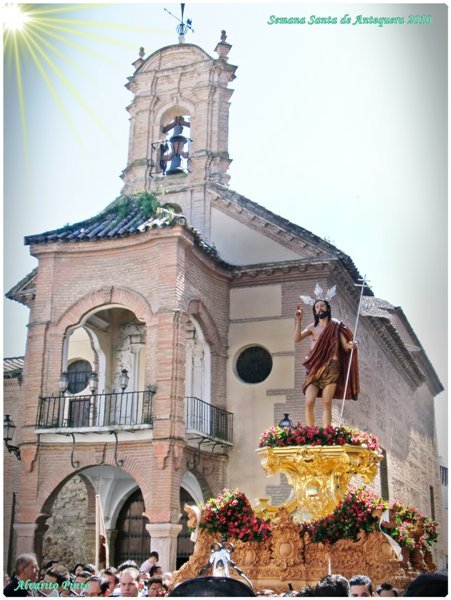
{"x":421,"y":358}
{"x":394,"y":346}
{"x":282,"y":269}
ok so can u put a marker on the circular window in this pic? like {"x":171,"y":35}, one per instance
{"x":254,"y":364}
{"x":78,"y":374}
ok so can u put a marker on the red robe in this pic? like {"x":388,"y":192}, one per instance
{"x":323,"y":351}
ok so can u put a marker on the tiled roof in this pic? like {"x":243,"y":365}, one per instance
{"x":116,"y":223}
{"x":24,"y":291}
{"x":12,"y":367}
{"x":110,"y":223}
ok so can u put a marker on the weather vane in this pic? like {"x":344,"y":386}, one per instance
{"x":183,"y":27}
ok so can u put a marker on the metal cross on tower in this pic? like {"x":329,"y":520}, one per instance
{"x":182,"y":27}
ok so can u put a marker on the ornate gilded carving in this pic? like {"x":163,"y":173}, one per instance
{"x":319,"y":475}
{"x":286,"y":557}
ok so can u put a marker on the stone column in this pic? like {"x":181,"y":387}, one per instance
{"x":25,"y":536}
{"x":164,"y":541}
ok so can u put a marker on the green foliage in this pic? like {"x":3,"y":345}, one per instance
{"x":122,"y":208}
{"x":146,"y":202}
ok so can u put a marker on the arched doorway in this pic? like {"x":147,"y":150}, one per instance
{"x":133,"y":540}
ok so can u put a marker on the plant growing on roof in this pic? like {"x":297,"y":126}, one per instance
{"x":148,"y":204}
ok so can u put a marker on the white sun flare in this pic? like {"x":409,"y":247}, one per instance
{"x":13,"y":17}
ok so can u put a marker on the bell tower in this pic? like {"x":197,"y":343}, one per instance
{"x":179,"y":123}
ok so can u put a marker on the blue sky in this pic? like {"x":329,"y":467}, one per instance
{"x":339,"y":128}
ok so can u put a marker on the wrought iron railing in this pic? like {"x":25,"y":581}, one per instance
{"x":96,"y":410}
{"x":208,"y":421}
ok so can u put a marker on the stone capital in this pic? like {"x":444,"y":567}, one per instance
{"x":163,"y":530}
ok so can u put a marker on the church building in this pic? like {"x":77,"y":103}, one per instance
{"x":160,"y":343}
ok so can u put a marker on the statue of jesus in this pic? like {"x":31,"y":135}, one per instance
{"x":327,"y":363}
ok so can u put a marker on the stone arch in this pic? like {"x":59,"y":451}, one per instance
{"x":60,"y":476}
{"x":120,"y":505}
{"x":179,"y":106}
{"x":192,"y":486}
{"x":105,"y":296}
{"x":197,"y":309}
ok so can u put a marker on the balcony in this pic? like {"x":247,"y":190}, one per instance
{"x":209,"y":423}
{"x":130,"y":411}
{"x":122,"y":410}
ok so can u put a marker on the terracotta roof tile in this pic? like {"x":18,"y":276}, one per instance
{"x":12,"y":367}
{"x":110,"y":223}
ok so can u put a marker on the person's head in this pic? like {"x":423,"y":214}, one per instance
{"x":110,"y":574}
{"x":82,"y":577}
{"x":90,"y":569}
{"x":321,"y":310}
{"x":26,"y":567}
{"x":77,"y":568}
{"x":128,"y":564}
{"x":154,"y":557}
{"x":96,"y":586}
{"x":59,"y":575}
{"x":386,"y":590}
{"x":129,"y":582}
{"x":332,"y":585}
{"x":361,"y":586}
{"x":428,"y":584}
{"x":155,"y":570}
{"x":156,"y":587}
{"x":307,"y":590}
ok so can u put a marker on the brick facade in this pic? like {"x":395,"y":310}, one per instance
{"x":162,"y":280}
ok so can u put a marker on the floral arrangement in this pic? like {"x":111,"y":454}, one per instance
{"x":355,"y":513}
{"x":297,"y":435}
{"x":231,"y":514}
{"x":407,"y":520}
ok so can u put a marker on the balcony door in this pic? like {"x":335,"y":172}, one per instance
{"x":198,"y":377}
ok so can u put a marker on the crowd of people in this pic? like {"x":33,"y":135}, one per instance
{"x":361,"y":586}
{"x":130,"y":580}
